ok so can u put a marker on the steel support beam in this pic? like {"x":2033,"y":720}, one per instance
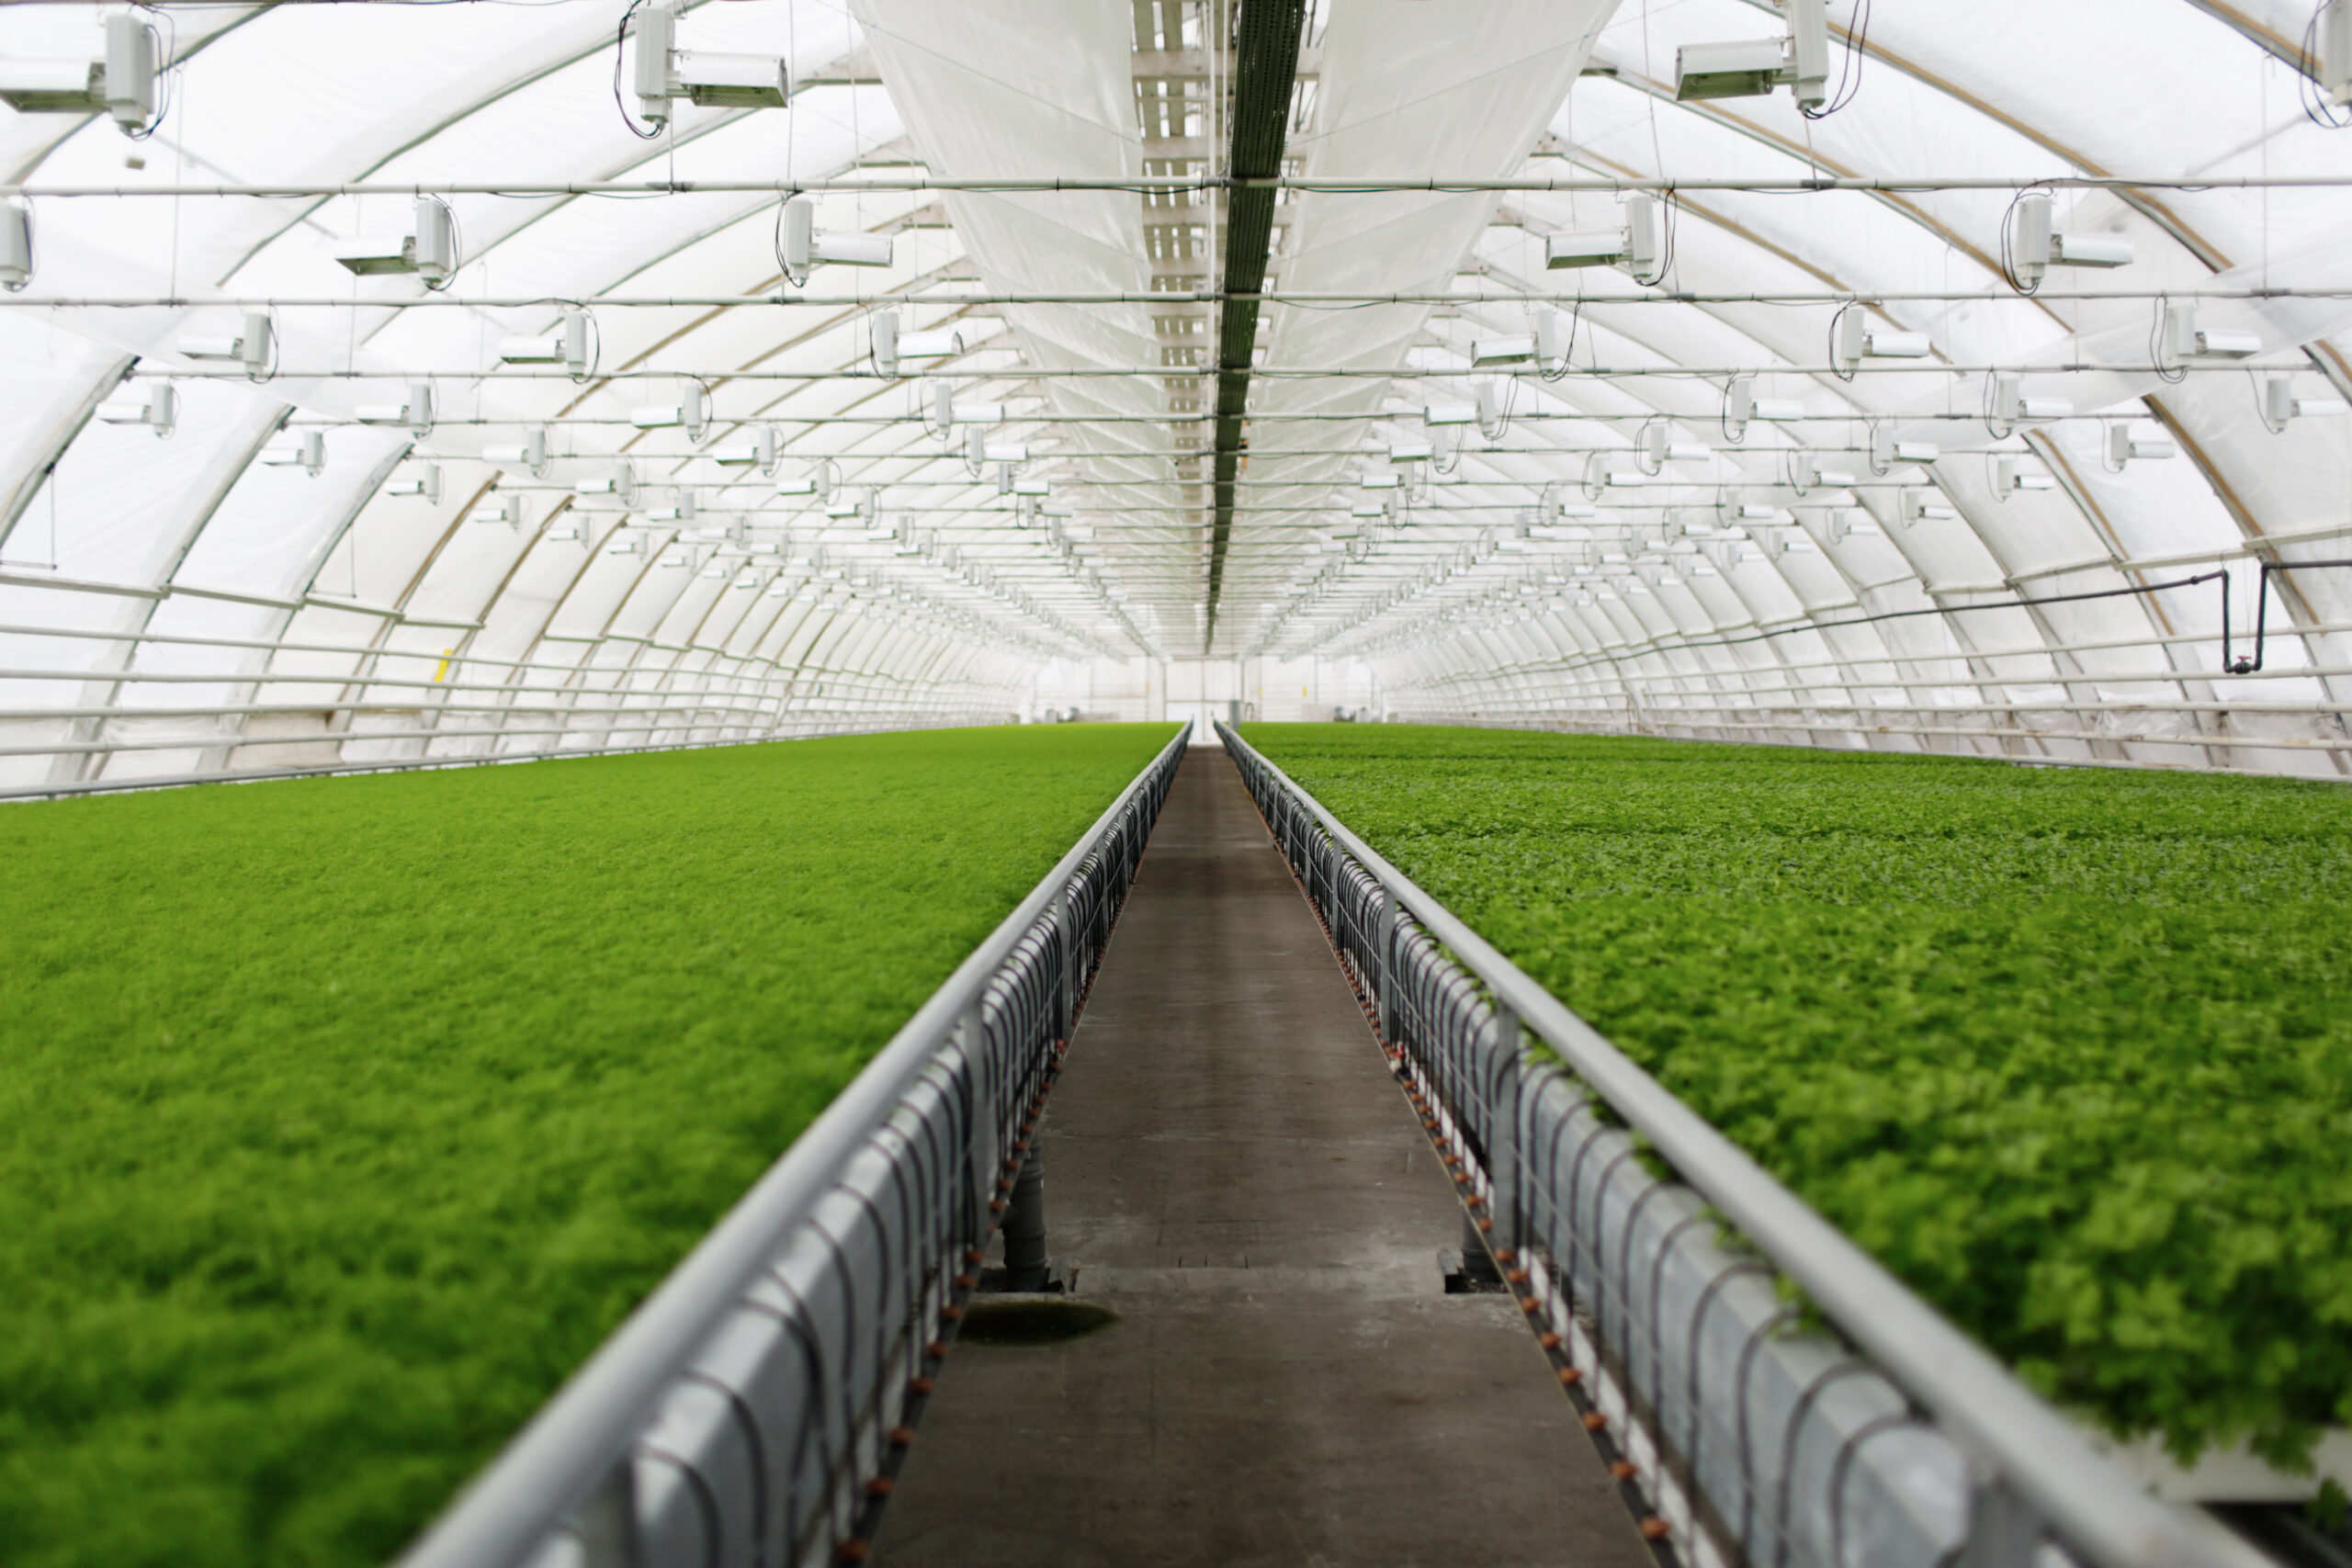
{"x":1265,"y":70}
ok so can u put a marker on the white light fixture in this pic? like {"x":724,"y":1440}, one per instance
{"x":1778,"y":409}
{"x":1925,"y":511}
{"x":1752,"y":69}
{"x":2334,"y":27}
{"x":1516,"y":350}
{"x":1649,"y":450}
{"x":427,"y":484}
{"x":634,"y":545}
{"x":2035,"y":247}
{"x":310,"y":454}
{"x":682,"y":508}
{"x":1436,"y":414}
{"x":429,"y":249}
{"x":415,"y":410}
{"x":1410,"y":451}
{"x":979,"y":413}
{"x":2123,"y":446}
{"x":945,"y":343}
{"x":1857,"y":342}
{"x":1553,"y":336}
{"x":2280,"y":405}
{"x":761,"y":452}
{"x":1739,"y":405}
{"x":530,"y":455}
{"x":251,"y":347}
{"x":2010,"y":405}
{"x":16,"y":246}
{"x":691,"y":414}
{"x":805,"y":244}
{"x":511,"y":509}
{"x":1634,"y":247}
{"x":2013,"y":476}
{"x":2183,"y":339}
{"x":662,"y":72}
{"x":1383,"y":481}
{"x":620,"y":484}
{"x":120,"y":84}
{"x":160,"y":411}
{"x":1809,"y":475}
{"x":567,"y":345}
{"x":1886,"y":451}
{"x":1490,"y":406}
{"x":1845,"y":525}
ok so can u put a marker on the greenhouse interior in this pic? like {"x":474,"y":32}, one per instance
{"x":1343,"y":783}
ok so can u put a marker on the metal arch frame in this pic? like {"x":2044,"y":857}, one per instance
{"x":1710,"y":114}
{"x":75,"y":767}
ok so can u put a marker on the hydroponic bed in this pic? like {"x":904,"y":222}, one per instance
{"x":347,"y":1116}
{"x":2069,"y":1050}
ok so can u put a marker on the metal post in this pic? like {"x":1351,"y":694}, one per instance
{"x":1477,"y":1269}
{"x":1386,"y":977}
{"x":1502,"y":1128}
{"x":1024,"y":1226}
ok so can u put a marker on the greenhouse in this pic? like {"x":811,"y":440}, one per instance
{"x":1116,"y":783}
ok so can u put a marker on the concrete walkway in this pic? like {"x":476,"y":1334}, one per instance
{"x":1233,"y":1172}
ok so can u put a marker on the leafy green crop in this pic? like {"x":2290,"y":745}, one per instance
{"x":344,"y":1116}
{"x":2070,"y":1050}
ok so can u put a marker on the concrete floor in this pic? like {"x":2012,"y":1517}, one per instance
{"x":1232,"y":1172}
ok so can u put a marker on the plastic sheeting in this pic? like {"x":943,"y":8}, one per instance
{"x":197,"y":603}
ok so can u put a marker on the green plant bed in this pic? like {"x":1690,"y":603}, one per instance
{"x":2070,"y":1050}
{"x":345,"y":1117}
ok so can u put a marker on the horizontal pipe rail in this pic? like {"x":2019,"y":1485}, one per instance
{"x":457,"y":301}
{"x":1143,"y":183}
{"x":2035,"y":1454}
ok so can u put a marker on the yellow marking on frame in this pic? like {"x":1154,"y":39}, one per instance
{"x":443,"y":674}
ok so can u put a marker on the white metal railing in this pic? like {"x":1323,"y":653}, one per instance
{"x":1640,"y":1256}
{"x":740,"y":1414}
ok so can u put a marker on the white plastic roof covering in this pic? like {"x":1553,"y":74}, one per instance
{"x":172,"y":606}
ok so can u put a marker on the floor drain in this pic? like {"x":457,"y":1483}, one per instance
{"x":1032,"y":1320}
